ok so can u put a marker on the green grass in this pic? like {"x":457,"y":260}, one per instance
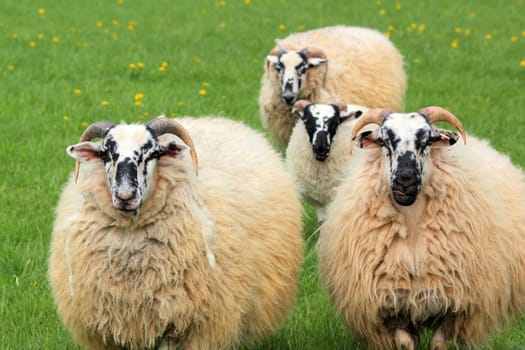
{"x":218,"y":46}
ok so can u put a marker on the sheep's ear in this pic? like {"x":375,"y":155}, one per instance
{"x":315,"y":61}
{"x":300,"y":106}
{"x":368,"y":139}
{"x":443,"y":138}
{"x":84,"y":151}
{"x":174,"y":149}
{"x":349,"y":115}
{"x":272,"y":59}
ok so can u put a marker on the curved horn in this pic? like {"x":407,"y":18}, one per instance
{"x":313,"y":51}
{"x":372,"y":116}
{"x":162,"y":125}
{"x":276,"y":51}
{"x":93,"y":131}
{"x":300,"y":105}
{"x":438,"y":114}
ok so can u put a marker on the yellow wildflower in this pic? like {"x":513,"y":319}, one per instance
{"x":105,"y":103}
{"x":66,"y":117}
{"x":247,"y":2}
{"x":488,"y":36}
{"x":138,"y":103}
{"x":84,"y":124}
{"x":139,"y":96}
{"x":180,"y":104}
{"x":115,"y":21}
{"x":205,"y":83}
{"x":40,"y":36}
{"x":282,"y":27}
{"x":514,"y":38}
{"x":10,"y":67}
{"x":132,"y":65}
{"x":382,"y":12}
{"x":398,"y":7}
{"x":457,"y":30}
{"x":422,"y":27}
{"x":454,"y":44}
{"x":140,"y":64}
{"x":78,"y":91}
{"x":56,"y":39}
{"x":99,"y":24}
{"x":32,"y":43}
{"x":202,"y":92}
{"x":522,"y":63}
{"x":41,"y":11}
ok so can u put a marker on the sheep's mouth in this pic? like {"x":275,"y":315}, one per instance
{"x":128,"y":212}
{"x":404,"y":198}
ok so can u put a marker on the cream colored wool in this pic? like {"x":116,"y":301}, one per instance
{"x":215,"y":256}
{"x":363,"y":68}
{"x":459,"y":249}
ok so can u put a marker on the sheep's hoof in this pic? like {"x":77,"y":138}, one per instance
{"x":404,"y":340}
{"x":438,"y":341}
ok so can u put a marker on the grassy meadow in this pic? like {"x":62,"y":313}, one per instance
{"x":67,"y":63}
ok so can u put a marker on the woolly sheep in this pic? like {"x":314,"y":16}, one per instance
{"x":315,"y":158}
{"x":152,"y":255}
{"x":424,"y":235}
{"x":338,"y":63}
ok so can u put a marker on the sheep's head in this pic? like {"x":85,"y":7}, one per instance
{"x":321,"y":122}
{"x":130,"y":154}
{"x":292,"y":67}
{"x":406,"y":141}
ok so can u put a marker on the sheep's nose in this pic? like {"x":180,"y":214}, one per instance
{"x":126,"y":196}
{"x":289,"y":98}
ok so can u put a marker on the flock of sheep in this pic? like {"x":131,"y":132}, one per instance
{"x":169,"y":235}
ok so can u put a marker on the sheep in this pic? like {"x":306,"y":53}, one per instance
{"x":337,"y":63}
{"x":146,"y":254}
{"x":315,"y":158}
{"x":422,"y":235}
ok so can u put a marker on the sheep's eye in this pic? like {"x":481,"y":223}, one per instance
{"x":279,"y":67}
{"x":380,"y":141}
{"x":104,"y":155}
{"x":301,"y":70}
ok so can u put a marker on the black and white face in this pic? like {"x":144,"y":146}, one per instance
{"x":130,"y":154}
{"x":292,"y":67}
{"x":321,"y":122}
{"x":406,"y":141}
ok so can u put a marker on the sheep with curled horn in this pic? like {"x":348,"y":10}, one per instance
{"x":339,"y":63}
{"x":145,"y":254}
{"x":425,"y":233}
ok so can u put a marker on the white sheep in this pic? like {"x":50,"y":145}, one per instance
{"x":424,"y":235}
{"x":145,"y":253}
{"x":338,"y":63}
{"x":317,"y":153}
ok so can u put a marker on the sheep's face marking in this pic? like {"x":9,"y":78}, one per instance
{"x":321,"y":122}
{"x":129,"y":154}
{"x":292,"y":67}
{"x":406,"y":141}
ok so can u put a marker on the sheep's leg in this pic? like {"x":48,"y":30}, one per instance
{"x":403,"y":340}
{"x":321,"y":214}
{"x":438,"y":341}
{"x":444,"y":334}
{"x":169,"y":343}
